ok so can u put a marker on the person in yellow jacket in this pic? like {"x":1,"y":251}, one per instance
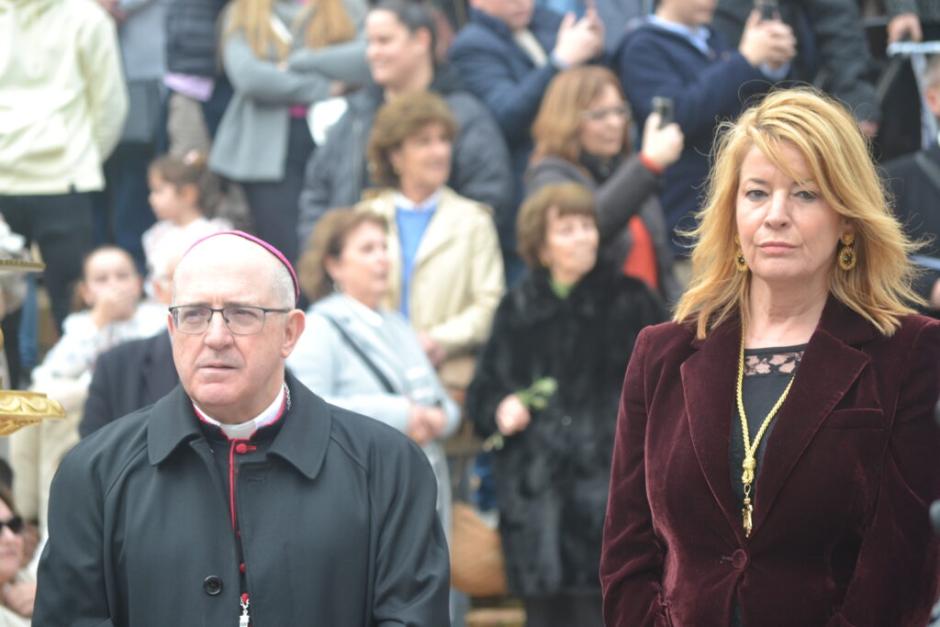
{"x":62,"y":107}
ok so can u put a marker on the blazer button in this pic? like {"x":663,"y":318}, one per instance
{"x":212,"y":585}
{"x":739,"y":559}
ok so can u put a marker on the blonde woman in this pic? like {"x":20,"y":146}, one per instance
{"x":776,"y":451}
{"x":282,"y":56}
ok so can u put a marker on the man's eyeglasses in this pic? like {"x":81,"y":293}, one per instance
{"x":14,"y":524}
{"x":239,"y":319}
{"x":596,"y":115}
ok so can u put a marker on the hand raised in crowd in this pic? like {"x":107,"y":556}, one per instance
{"x":512,"y":415}
{"x":113,"y":303}
{"x":905,"y":25}
{"x":663,"y":145}
{"x":579,"y":41}
{"x":769,"y":42}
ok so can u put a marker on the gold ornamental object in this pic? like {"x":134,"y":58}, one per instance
{"x":18,"y":408}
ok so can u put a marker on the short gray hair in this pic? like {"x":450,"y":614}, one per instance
{"x":283,"y":287}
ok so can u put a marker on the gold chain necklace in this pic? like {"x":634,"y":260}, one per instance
{"x":750,"y":448}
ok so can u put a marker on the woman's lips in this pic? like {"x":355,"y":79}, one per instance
{"x":776,"y":247}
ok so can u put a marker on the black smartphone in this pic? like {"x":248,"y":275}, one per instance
{"x":769,"y":9}
{"x":664,"y":107}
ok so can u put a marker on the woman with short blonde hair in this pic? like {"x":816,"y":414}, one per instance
{"x":788,"y":408}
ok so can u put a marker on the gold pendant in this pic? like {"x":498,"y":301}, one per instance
{"x":749,"y":465}
{"x":746,"y":516}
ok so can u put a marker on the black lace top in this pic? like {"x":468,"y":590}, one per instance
{"x":767,"y":371}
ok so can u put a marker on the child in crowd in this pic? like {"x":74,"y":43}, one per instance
{"x":177,"y":185}
{"x":111,"y":290}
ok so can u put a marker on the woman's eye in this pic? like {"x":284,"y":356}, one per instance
{"x":755,"y":194}
{"x":807,"y":195}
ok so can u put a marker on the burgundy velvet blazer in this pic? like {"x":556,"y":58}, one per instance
{"x":841,"y":532}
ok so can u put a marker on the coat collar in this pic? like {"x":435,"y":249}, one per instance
{"x":544,"y":25}
{"x":536,"y":301}
{"x":830,"y":365}
{"x":443,"y":228}
{"x":302,"y":440}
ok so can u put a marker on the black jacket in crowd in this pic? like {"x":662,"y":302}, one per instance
{"x":131,"y":375}
{"x":480,"y":170}
{"x":916,"y":197}
{"x":192,"y":37}
{"x":832,"y":52}
{"x":552,"y":478}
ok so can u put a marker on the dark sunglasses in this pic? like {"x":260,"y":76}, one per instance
{"x":15,"y":525}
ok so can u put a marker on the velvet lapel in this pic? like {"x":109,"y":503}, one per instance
{"x":708,"y":383}
{"x":829,"y":367}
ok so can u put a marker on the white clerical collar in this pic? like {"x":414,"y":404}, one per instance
{"x":429,"y":203}
{"x":245,"y":430}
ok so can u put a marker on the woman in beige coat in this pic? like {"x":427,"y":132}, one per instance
{"x":447,"y":273}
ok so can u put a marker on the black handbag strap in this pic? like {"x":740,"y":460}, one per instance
{"x":376,"y":372}
{"x":929,"y":168}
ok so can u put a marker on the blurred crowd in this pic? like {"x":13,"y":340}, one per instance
{"x":486,"y":201}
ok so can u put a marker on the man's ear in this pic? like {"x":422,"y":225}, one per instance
{"x":296,"y":322}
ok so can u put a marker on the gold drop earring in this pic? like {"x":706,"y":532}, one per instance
{"x":847,"y":255}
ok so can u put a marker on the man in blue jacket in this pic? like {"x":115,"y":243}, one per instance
{"x":676,"y":54}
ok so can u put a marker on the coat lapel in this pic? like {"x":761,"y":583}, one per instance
{"x":369,"y":341}
{"x":708,"y":383}
{"x":827,"y":371}
{"x":441,"y":229}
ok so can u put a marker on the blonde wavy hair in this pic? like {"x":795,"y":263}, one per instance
{"x":327,"y":23}
{"x":828,"y":138}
